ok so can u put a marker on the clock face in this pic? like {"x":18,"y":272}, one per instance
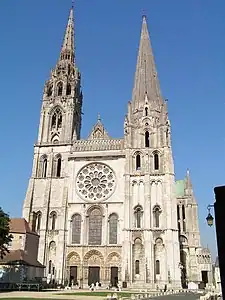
{"x":95,"y":182}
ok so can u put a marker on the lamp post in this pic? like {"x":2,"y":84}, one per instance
{"x":209,"y":218}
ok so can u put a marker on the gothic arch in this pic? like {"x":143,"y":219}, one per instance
{"x":53,"y":218}
{"x":95,"y":223}
{"x":95,"y":206}
{"x":43,"y":166}
{"x":73,"y":258}
{"x":113,"y":259}
{"x":113,"y":228}
{"x":57,"y":165}
{"x":93,"y":257}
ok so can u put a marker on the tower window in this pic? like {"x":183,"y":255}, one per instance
{"x":157,"y":267}
{"x":178,"y":212}
{"x":58,"y":170}
{"x":138,"y":162}
{"x":38,"y":221}
{"x":56,"y":120}
{"x":156,"y":161}
{"x":147,"y":143}
{"x":183,"y":212}
{"x":137,"y":267}
{"x":49,"y":90}
{"x":53,"y":223}
{"x":68,"y":89}
{"x":156,"y":213}
{"x":146,"y":111}
{"x":44,"y":170}
{"x":60,"y":88}
{"x":138,"y":215}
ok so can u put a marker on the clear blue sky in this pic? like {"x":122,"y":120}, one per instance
{"x":188,"y":39}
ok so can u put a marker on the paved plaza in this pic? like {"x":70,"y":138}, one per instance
{"x":78,"y":296}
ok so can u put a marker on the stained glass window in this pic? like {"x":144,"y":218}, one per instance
{"x":113,"y":220}
{"x":76,"y":229}
{"x":95,"y":227}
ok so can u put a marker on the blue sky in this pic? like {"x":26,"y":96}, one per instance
{"x":189,"y":47}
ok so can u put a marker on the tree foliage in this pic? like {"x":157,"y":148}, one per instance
{"x":5,"y":236}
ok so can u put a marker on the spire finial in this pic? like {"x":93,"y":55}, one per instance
{"x":99,"y":117}
{"x":146,"y":79}
{"x":67,"y":51}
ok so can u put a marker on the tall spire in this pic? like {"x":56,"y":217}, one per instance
{"x":146,"y":81}
{"x":67,"y":51}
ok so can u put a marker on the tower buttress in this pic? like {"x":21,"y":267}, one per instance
{"x":60,"y":120}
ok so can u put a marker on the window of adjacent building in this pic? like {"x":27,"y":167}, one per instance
{"x":76,"y":229}
{"x":147,"y":139}
{"x":157,"y":267}
{"x":137,"y":267}
{"x":95,"y":227}
{"x":113,"y":223}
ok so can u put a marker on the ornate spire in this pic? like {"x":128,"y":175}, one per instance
{"x":146,"y":81}
{"x":67,"y":51}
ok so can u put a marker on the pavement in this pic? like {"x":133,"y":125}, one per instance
{"x":56,"y":295}
{"x":182,"y":296}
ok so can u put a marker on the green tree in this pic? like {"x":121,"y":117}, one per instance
{"x":5,"y":236}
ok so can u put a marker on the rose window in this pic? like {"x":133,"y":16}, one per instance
{"x":95,"y":181}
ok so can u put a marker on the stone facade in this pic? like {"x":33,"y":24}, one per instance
{"x":106,"y":208}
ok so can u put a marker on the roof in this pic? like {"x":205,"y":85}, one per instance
{"x":22,"y":257}
{"x":19,"y":225}
{"x":180,"y":186}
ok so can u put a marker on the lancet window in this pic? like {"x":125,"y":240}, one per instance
{"x":156,"y":161}
{"x":95,"y":227}
{"x":138,"y":216}
{"x":138,"y":162}
{"x":42,"y":168}
{"x":57,"y":166}
{"x":76,"y":229}
{"x":156,"y":213}
{"x":53,"y":217}
{"x":147,"y":139}
{"x":56,"y":119}
{"x":113,"y":223}
{"x":59,"y":88}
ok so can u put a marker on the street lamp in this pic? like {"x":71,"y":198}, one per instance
{"x":209,"y":218}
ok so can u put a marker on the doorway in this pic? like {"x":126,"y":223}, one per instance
{"x":205,"y":277}
{"x":93,"y":275}
{"x":73,"y":275}
{"x":114,"y":276}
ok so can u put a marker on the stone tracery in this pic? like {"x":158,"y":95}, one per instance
{"x":95,"y":181}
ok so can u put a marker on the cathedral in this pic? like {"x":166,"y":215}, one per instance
{"x":106,"y":209}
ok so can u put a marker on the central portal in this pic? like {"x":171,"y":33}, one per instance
{"x":93,"y":275}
